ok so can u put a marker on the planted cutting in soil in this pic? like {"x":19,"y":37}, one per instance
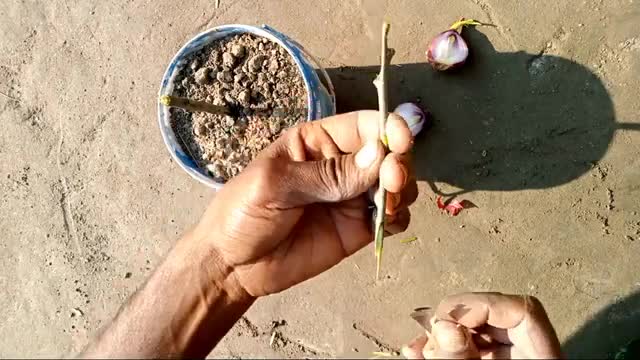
{"x":261,"y":86}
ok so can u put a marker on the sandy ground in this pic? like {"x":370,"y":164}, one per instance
{"x":540,"y":132}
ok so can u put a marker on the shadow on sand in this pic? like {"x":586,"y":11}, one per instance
{"x":504,"y":121}
{"x":608,"y":331}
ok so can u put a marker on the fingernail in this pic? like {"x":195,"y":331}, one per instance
{"x":450,"y":337}
{"x":367,"y":155}
{"x":411,"y":353}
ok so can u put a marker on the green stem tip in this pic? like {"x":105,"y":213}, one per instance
{"x":458,"y":25}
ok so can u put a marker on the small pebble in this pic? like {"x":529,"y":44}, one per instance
{"x":219,"y":100}
{"x":127,"y":275}
{"x":228,"y":60}
{"x":216,"y":170}
{"x":275,"y":126}
{"x":282,"y":88}
{"x":202,"y":76}
{"x":235,"y":170}
{"x":244,"y":97}
{"x":229,"y":121}
{"x":273,"y":66}
{"x":229,"y":98}
{"x":195,"y":64}
{"x":238,"y":77}
{"x":225,"y":76}
{"x":261,"y":79}
{"x":266,"y":90}
{"x":238,"y":50}
{"x":255,"y":63}
{"x":221,"y":143}
{"x":200,"y":130}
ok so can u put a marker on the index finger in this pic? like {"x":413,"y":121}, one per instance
{"x":352,"y":130}
{"x":476,"y":309}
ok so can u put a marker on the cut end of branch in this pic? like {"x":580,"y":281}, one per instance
{"x":385,"y":28}
{"x":165,"y":100}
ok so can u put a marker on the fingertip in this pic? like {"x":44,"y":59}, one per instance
{"x":398,"y":134}
{"x":451,"y":337}
{"x":413,"y":350}
{"x":393,"y":173}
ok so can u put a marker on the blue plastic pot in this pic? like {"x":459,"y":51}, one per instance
{"x":320,"y":94}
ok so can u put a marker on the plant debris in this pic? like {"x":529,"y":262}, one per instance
{"x":454,"y":207}
{"x":409,"y":240}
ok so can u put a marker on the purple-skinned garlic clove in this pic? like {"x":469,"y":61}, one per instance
{"x":413,"y":115}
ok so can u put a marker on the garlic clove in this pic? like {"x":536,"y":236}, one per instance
{"x":448,"y":49}
{"x":413,"y":115}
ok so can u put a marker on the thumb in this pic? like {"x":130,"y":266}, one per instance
{"x":335,"y":179}
{"x":452,"y":341}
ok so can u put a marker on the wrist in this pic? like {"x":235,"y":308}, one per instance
{"x":211,"y":268}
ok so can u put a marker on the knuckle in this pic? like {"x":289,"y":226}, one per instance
{"x":331,"y":177}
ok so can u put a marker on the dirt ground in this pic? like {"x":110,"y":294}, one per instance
{"x":540,"y":132}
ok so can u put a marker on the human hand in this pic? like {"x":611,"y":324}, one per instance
{"x":487,"y":326}
{"x":301,"y":206}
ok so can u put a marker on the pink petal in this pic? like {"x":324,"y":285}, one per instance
{"x":454,"y":207}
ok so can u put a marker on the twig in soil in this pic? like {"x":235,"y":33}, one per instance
{"x":377,"y":342}
{"x":380,"y":198}
{"x":193,"y":105}
{"x":9,"y":97}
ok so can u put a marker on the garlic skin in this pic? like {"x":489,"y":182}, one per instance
{"x":448,"y":49}
{"x":413,"y":116}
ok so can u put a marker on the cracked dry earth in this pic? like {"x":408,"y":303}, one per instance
{"x":545,"y":123}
